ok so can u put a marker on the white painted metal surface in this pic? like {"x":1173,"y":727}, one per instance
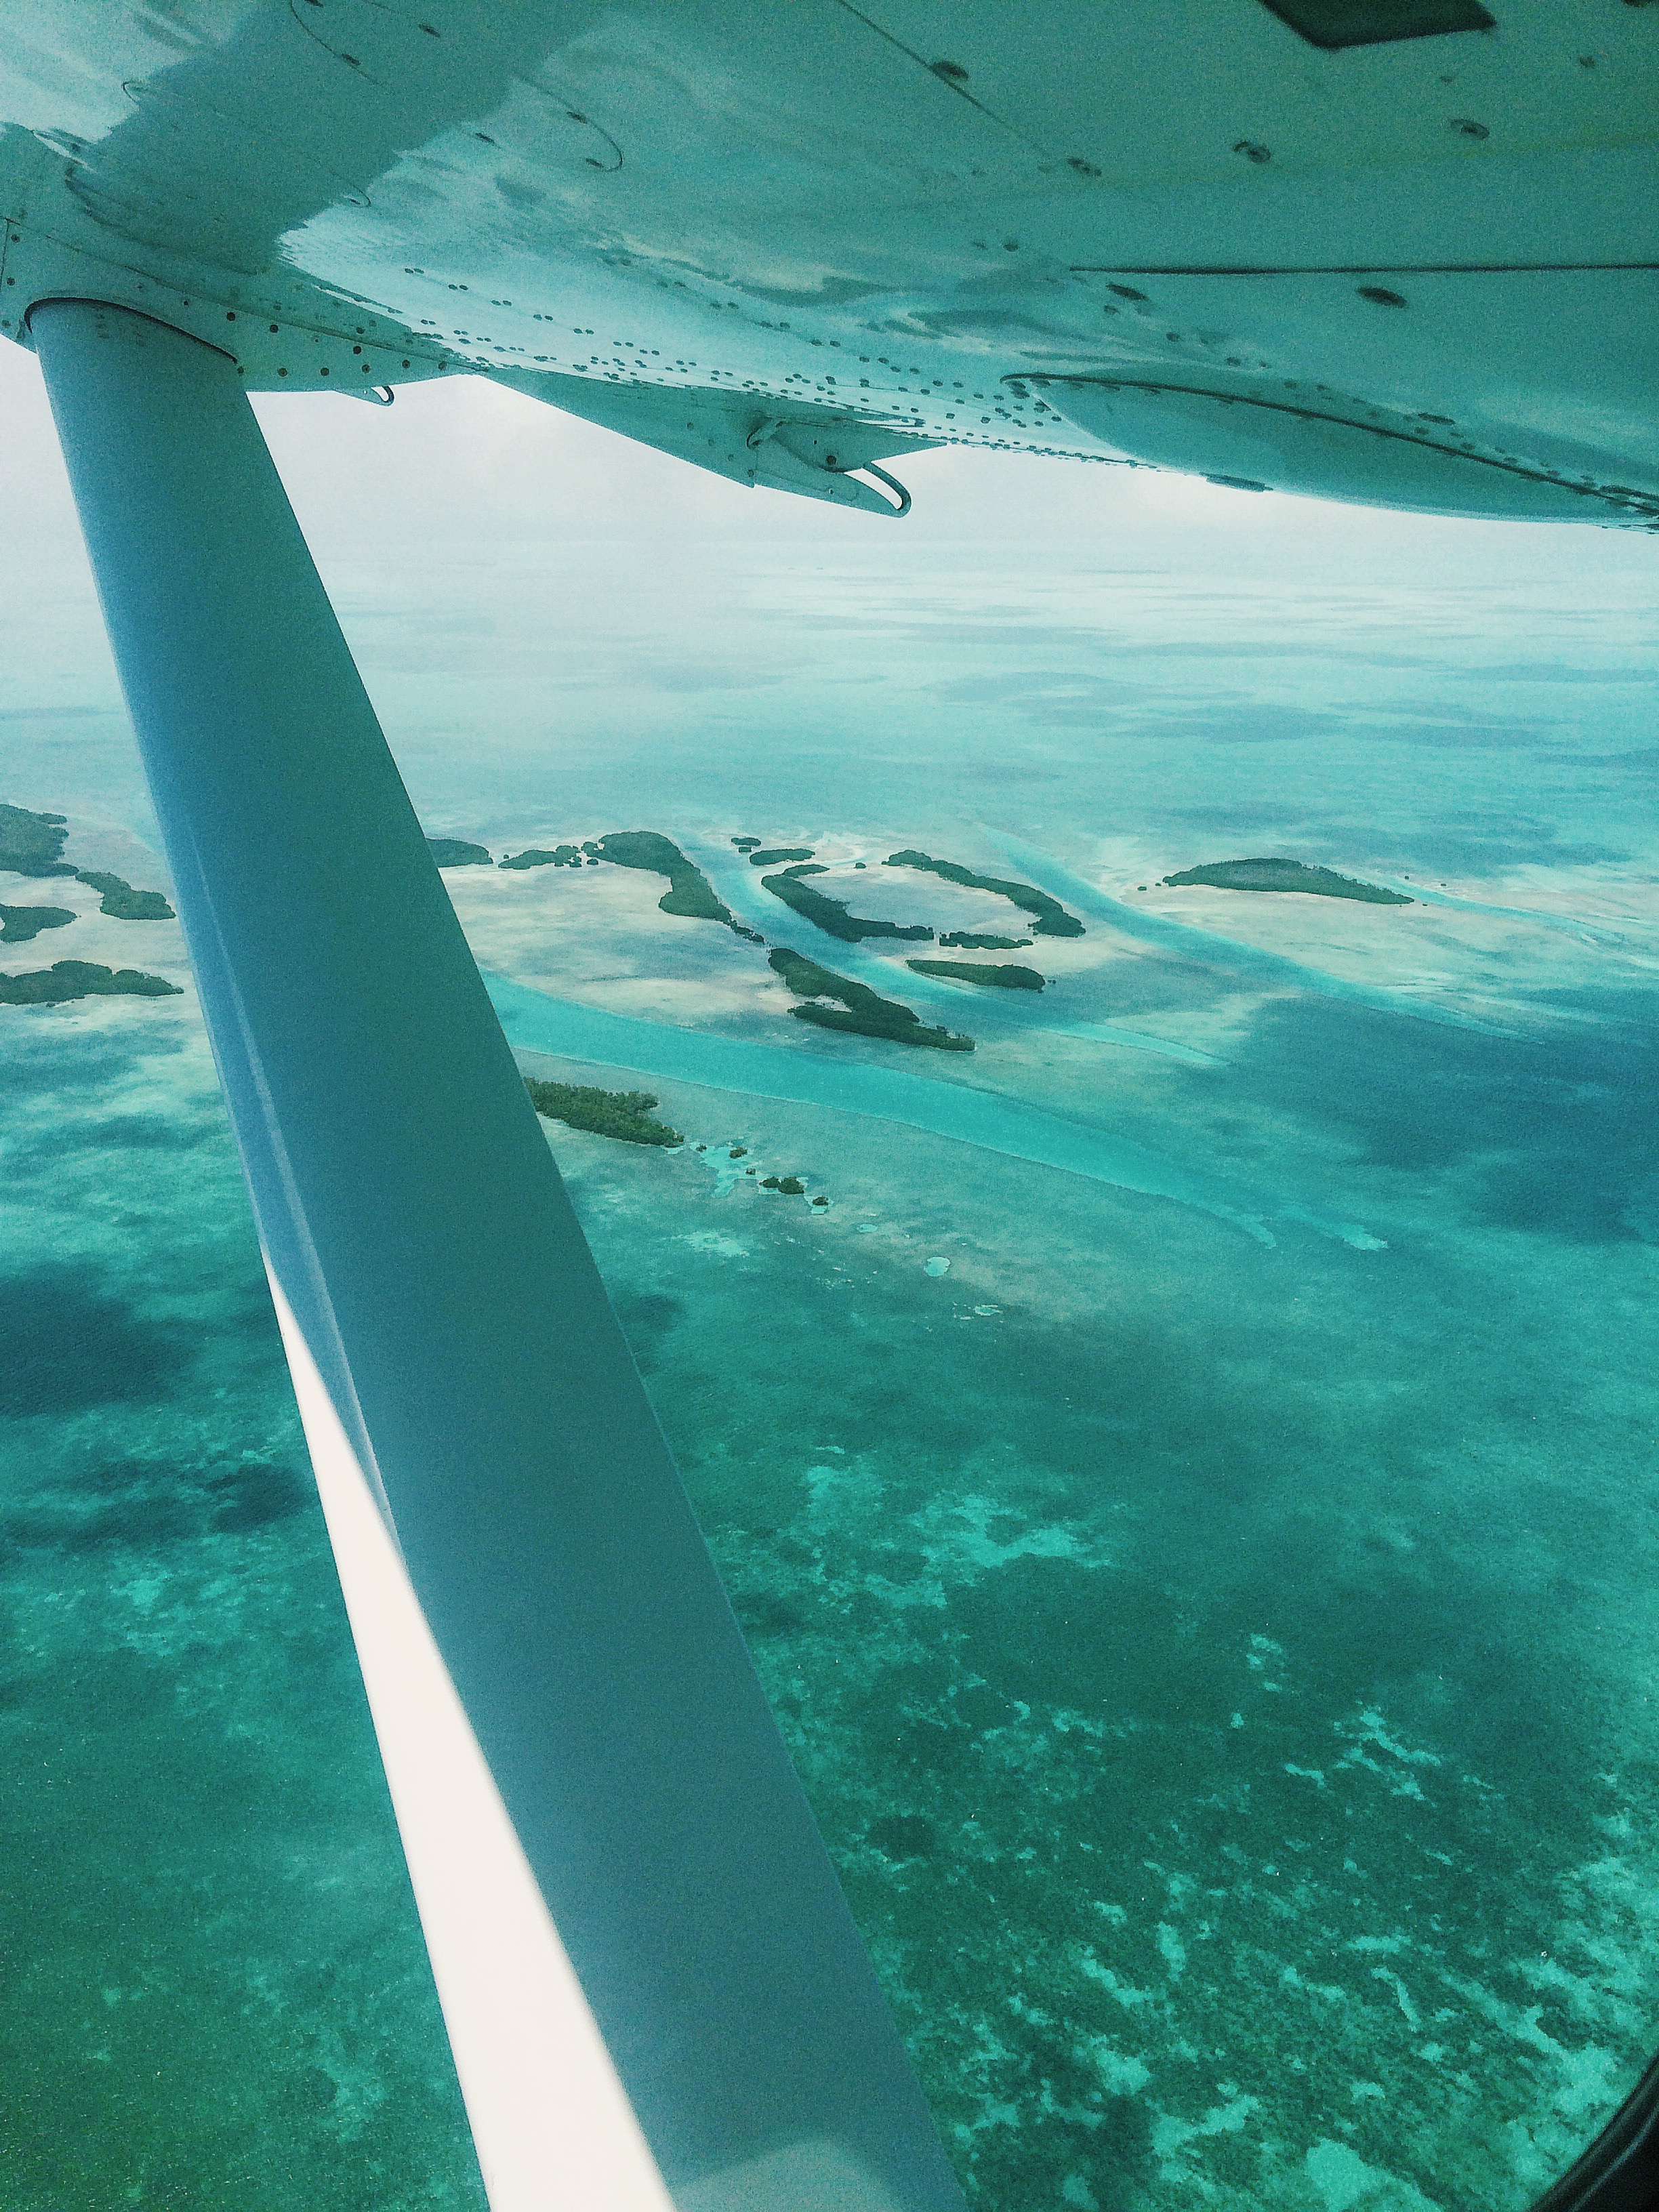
{"x":551,"y":2120}
{"x":538,"y":1566}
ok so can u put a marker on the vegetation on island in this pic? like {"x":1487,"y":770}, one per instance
{"x":775,"y":854}
{"x":33,"y":844}
{"x":1011,"y":978}
{"x":457,"y":853}
{"x":81,"y":979}
{"x":1268,"y":875}
{"x":1051,"y":918}
{"x":561,"y":856}
{"x":120,"y":900}
{"x":787,"y":1186}
{"x":862,"y":1011}
{"x":622,"y":1114}
{"x":20,"y":923}
{"x":831,"y":914}
{"x":689,"y":892}
{"x":966,"y":941}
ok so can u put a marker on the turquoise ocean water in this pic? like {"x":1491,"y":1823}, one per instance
{"x":1215,"y":1617}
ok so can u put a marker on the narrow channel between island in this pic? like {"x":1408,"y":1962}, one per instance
{"x":535,"y":1021}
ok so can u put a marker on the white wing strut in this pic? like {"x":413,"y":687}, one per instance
{"x":541,"y":1629}
{"x":541,"y":2092}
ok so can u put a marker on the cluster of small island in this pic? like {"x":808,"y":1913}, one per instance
{"x":629,"y":1116}
{"x":689,"y":892}
{"x":854,"y":1008}
{"x":787,"y":1186}
{"x":32,"y":845}
{"x":832,"y":1001}
{"x":834,"y":918}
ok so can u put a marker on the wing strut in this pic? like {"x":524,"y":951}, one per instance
{"x":654,"y":1988}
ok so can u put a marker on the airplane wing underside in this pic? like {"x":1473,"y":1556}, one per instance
{"x":1379,"y":250}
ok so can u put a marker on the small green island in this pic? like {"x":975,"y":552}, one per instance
{"x":1004,"y":973}
{"x":1284,"y":875}
{"x":81,"y":979}
{"x":966,"y":941}
{"x":33,"y":844}
{"x":689,"y":892}
{"x":561,"y":856}
{"x":457,"y":853}
{"x":831,"y":914}
{"x":20,"y":923}
{"x":1051,"y":919}
{"x":863,"y":1011}
{"x":119,"y":899}
{"x":625,"y":1114}
{"x":775,"y":855}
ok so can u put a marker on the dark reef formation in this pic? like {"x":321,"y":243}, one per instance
{"x":1051,"y":918}
{"x":831,"y":914}
{"x":746,"y":844}
{"x":33,"y":844}
{"x":457,"y":853}
{"x":1010,"y":978}
{"x":624,"y":1114}
{"x":966,"y":941}
{"x":1284,"y":875}
{"x":20,"y":923}
{"x":862,"y":1011}
{"x":120,"y":900}
{"x":775,"y":854}
{"x":904,"y":1836}
{"x":81,"y":979}
{"x":561,"y":856}
{"x":689,"y":892}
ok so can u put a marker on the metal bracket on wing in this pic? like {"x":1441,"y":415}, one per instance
{"x":816,"y":452}
{"x":843,"y":448}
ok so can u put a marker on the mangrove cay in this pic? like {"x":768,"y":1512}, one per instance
{"x":33,"y":844}
{"x":1010,"y":977}
{"x":622,"y":1114}
{"x":1284,"y":875}
{"x":1051,"y":919}
{"x":831,"y":914}
{"x":863,"y":1011}
{"x":81,"y":979}
{"x":20,"y":923}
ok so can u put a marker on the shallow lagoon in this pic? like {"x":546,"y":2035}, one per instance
{"x":1220,"y":1668}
